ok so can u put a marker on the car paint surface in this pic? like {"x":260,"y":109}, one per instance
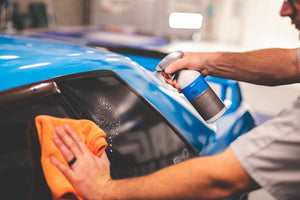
{"x":25,"y":60}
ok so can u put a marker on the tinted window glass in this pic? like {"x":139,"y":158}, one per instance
{"x":140,"y":139}
{"x":18,"y":147}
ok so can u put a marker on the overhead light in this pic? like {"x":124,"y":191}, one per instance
{"x":185,"y":20}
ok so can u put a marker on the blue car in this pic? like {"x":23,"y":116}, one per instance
{"x":148,"y":124}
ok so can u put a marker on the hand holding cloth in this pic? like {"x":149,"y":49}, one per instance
{"x":88,"y":131}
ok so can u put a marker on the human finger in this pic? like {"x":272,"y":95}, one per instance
{"x":68,"y":141}
{"x":177,"y":65}
{"x":169,"y":81}
{"x":67,"y":154}
{"x":66,"y":171}
{"x":75,"y":137}
{"x":204,"y":72}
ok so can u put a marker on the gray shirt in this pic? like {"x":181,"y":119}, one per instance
{"x":270,"y":153}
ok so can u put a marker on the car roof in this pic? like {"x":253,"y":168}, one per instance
{"x":25,"y":60}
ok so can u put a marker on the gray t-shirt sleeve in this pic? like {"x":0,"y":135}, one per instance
{"x":270,"y":154}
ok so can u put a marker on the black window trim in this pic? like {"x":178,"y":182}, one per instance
{"x":25,"y":93}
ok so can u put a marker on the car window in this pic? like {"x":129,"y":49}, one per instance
{"x":17,"y":169}
{"x":140,"y":139}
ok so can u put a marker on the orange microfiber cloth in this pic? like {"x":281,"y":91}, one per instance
{"x":88,"y":131}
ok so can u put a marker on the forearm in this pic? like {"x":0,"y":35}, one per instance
{"x":168,"y":183}
{"x":200,"y":178}
{"x":266,"y":67}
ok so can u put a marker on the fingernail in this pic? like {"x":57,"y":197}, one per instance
{"x":52,"y":159}
{"x":57,"y":129}
{"x":54,"y":137}
{"x":67,"y":126}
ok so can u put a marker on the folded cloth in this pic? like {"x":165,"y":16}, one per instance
{"x":88,"y":131}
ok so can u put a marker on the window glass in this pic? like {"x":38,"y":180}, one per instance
{"x":19,"y":148}
{"x":140,"y":139}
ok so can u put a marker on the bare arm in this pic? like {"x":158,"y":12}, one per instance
{"x":265,"y":67}
{"x":209,"y":177}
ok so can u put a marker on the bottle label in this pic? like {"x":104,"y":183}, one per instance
{"x":195,"y":88}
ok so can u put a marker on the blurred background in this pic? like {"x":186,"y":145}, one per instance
{"x":165,"y":25}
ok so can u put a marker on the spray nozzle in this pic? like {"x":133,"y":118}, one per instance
{"x":166,"y":61}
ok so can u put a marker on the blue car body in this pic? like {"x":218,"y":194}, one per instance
{"x":25,"y":60}
{"x":28,"y":60}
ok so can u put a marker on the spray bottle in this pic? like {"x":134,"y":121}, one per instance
{"x":195,"y":89}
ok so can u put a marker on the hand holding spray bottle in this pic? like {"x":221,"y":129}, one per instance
{"x":195,"y":89}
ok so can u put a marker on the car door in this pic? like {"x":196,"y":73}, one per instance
{"x":140,"y":139}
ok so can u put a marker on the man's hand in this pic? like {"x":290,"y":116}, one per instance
{"x":193,"y":61}
{"x":89,"y":174}
{"x":190,"y":60}
{"x":171,"y":82}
